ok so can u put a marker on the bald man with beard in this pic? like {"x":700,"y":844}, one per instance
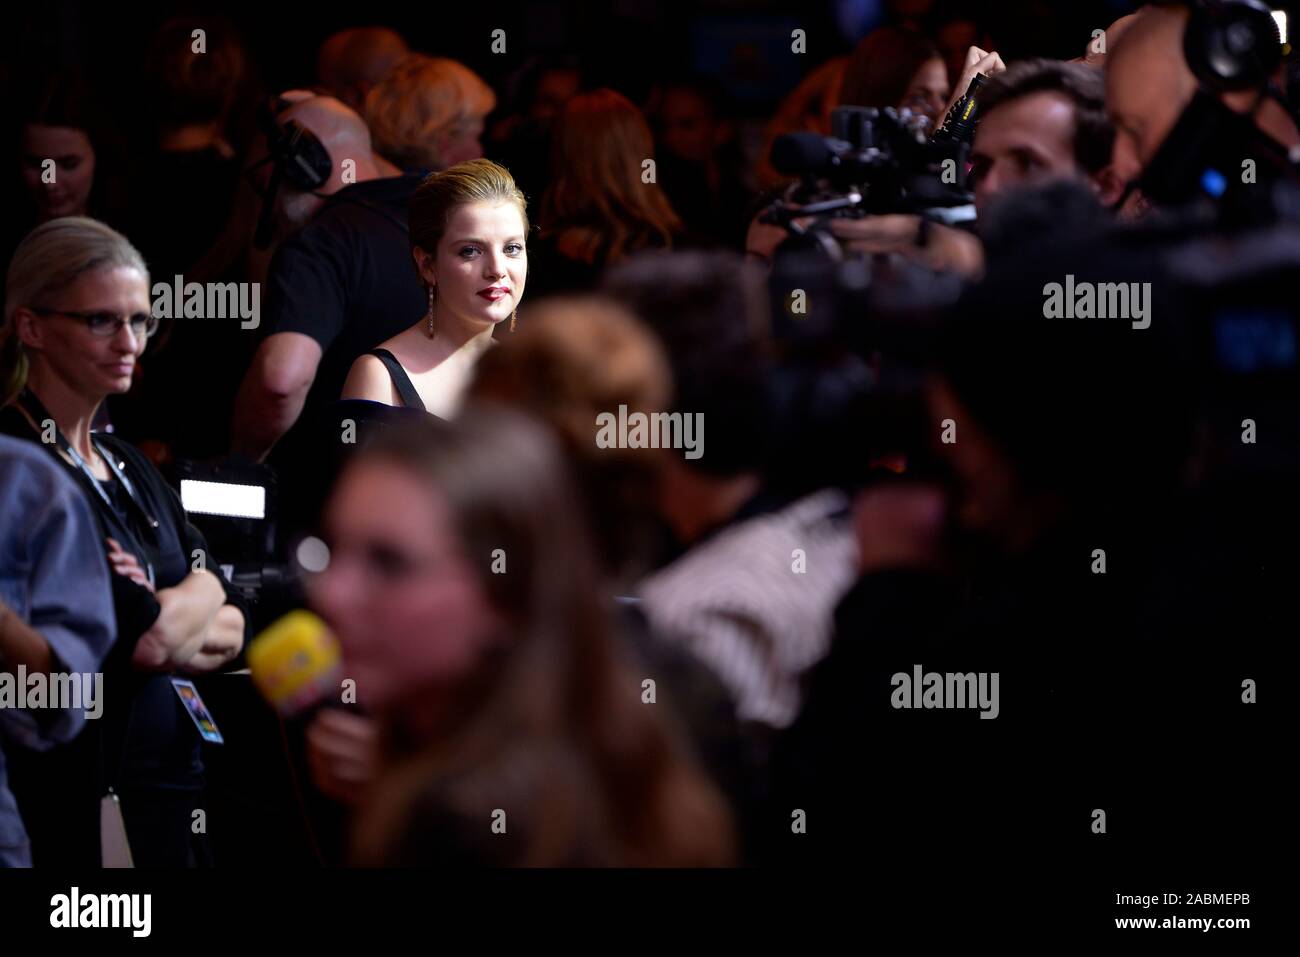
{"x":345,"y":136}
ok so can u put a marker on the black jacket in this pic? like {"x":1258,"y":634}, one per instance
{"x":145,"y":742}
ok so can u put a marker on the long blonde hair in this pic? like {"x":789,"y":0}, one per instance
{"x":597,"y":195}
{"x":49,"y":259}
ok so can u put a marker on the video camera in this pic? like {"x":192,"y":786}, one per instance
{"x":875,"y":162}
{"x":852,"y":356}
{"x":878,"y":162}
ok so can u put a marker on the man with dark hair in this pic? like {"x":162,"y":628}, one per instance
{"x":707,"y":311}
{"x":1041,"y":120}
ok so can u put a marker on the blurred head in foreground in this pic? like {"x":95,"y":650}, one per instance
{"x":460,"y":585}
{"x":574,"y":359}
{"x":598,"y":206}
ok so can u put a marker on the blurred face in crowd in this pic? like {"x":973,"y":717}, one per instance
{"x":406,"y":604}
{"x":554,"y":89}
{"x":1148,"y":85}
{"x":929,"y":90}
{"x":689,"y":129}
{"x":480,"y":265}
{"x":910,"y":8}
{"x":95,"y":366}
{"x":1023,"y":142}
{"x":461,"y":143}
{"x":73,"y":171}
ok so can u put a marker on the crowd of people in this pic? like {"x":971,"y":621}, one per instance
{"x":575,"y":653}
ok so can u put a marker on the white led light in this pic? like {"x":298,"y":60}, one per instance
{"x":1280,"y":17}
{"x":222,"y":498}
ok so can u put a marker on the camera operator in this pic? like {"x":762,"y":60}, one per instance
{"x":1041,"y":120}
{"x":1067,"y":435}
{"x":1175,"y":119}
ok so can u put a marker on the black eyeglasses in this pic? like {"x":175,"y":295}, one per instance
{"x":106,"y":324}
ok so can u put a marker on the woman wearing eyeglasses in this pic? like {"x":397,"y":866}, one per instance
{"x":899,"y":68}
{"x":77,"y":316}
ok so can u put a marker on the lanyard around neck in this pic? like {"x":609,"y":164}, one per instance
{"x":36,"y":413}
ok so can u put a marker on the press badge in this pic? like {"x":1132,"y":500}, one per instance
{"x":189,"y":696}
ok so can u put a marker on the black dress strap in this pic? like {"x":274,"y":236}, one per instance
{"x":401,"y":381}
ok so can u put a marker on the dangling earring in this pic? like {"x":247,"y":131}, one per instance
{"x":514,"y":318}
{"x":430,"y":312}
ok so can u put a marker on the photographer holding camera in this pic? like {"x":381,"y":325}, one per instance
{"x":1040,"y":120}
{"x":1193,"y":93}
{"x":1073,"y":442}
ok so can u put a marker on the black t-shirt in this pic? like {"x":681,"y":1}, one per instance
{"x":347,"y":280}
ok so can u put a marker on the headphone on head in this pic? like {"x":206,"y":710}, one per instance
{"x":295,"y":150}
{"x":295,"y":153}
{"x":1232,"y":45}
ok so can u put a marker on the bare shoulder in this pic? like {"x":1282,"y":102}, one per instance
{"x":369,"y":379}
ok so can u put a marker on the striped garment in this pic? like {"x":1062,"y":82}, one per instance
{"x":754,"y":609}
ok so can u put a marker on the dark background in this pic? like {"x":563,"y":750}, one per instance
{"x":624,"y":44}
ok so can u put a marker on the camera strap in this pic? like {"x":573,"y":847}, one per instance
{"x":1203,"y":152}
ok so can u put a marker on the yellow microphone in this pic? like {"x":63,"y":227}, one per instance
{"x":295,"y":663}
